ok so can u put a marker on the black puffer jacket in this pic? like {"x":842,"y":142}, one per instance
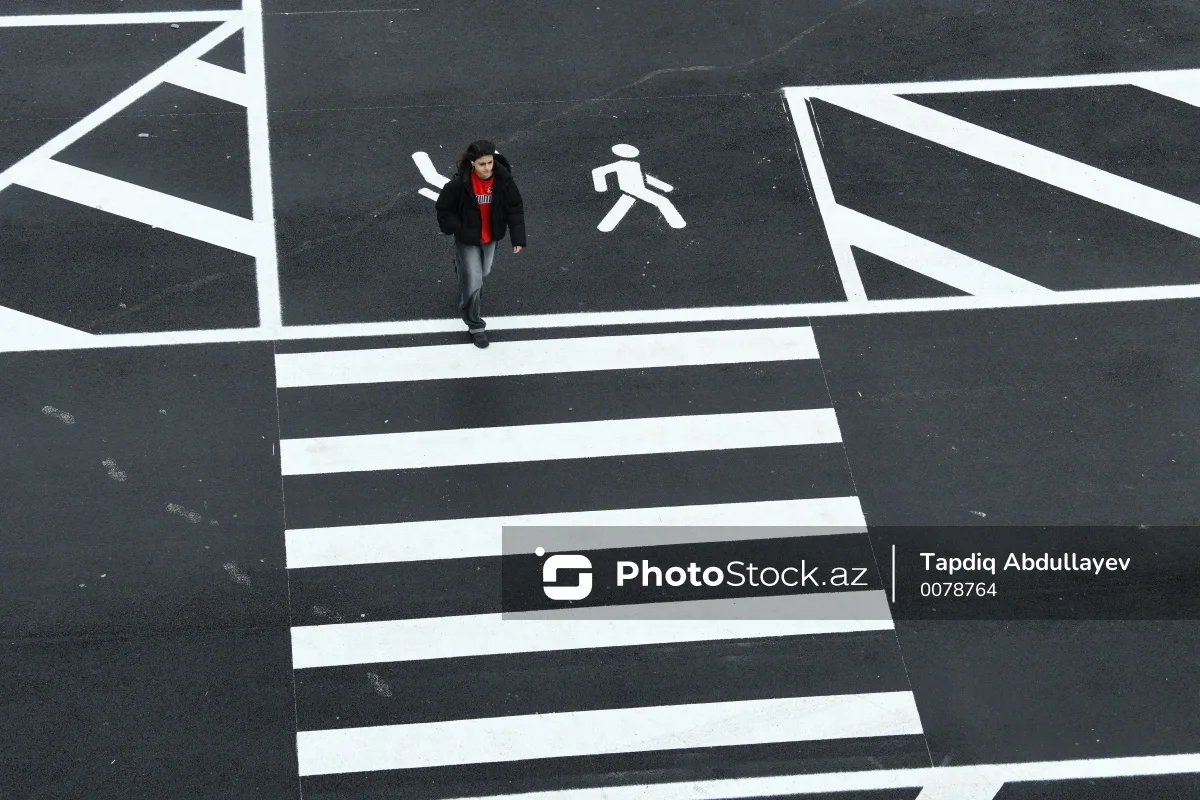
{"x":458,"y":211}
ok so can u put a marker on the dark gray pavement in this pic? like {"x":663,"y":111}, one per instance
{"x":144,"y":611}
{"x":1079,"y":416}
{"x":146,"y":602}
{"x":730,"y":159}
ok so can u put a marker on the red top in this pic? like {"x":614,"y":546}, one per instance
{"x":483,"y":196}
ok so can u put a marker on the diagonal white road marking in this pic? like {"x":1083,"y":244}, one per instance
{"x":1025,"y":159}
{"x":209,"y":79}
{"x":138,"y":203}
{"x":929,"y":258}
{"x":1183,"y":89}
{"x":119,"y":103}
{"x":839,"y":238}
{"x":257,"y":237}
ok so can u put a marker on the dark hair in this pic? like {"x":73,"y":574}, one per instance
{"x":475,"y":151}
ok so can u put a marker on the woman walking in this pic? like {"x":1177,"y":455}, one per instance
{"x":476,"y":206}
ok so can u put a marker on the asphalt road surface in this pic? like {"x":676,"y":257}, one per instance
{"x":874,"y":265}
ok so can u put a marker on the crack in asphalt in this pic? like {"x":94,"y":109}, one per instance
{"x":790,"y":43}
{"x":367,"y":221}
{"x":163,"y":295}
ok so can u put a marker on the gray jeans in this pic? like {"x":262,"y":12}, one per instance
{"x":472,"y":262}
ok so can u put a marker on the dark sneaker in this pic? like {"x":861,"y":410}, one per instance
{"x":480,"y":338}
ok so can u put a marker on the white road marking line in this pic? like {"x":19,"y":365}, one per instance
{"x":334,"y":645}
{"x":147,"y":18}
{"x":1184,"y":89}
{"x":482,"y":536}
{"x":138,"y":203}
{"x":1004,"y":84}
{"x":212,"y":80}
{"x":35,"y":333}
{"x":1071,"y":297}
{"x":556,"y":441}
{"x":962,"y":787}
{"x":566,"y":734}
{"x":545,"y":356}
{"x":839,"y":237}
{"x":185,"y":69}
{"x":270,"y":308}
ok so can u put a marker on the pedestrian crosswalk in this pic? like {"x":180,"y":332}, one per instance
{"x":401,"y":466}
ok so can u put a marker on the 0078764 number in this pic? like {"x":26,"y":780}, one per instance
{"x":954,"y":589}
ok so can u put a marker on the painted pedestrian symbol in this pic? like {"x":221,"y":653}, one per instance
{"x":633,"y":187}
{"x":430,"y":174}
